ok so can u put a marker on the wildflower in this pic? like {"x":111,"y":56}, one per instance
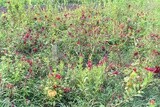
{"x":81,"y":55}
{"x":35,"y":49}
{"x":23,"y":58}
{"x":153,"y":70}
{"x":27,"y":35}
{"x":24,"y":41}
{"x":136,"y":53}
{"x":66,"y":90}
{"x":30,"y":62}
{"x":83,"y":17}
{"x":112,"y":66}
{"x":13,"y":105}
{"x":129,"y":84}
{"x":115,"y":72}
{"x":78,"y":42}
{"x":69,"y":33}
{"x":9,"y":86}
{"x":58,"y":76}
{"x":134,"y":69}
{"x":56,"y":86}
{"x":30,"y":70}
{"x":89,"y":64}
{"x":42,"y":29}
{"x":119,"y":97}
{"x":137,"y":31}
{"x":103,"y":48}
{"x":100,"y":63}
{"x":155,"y":52}
{"x":50,"y":68}
{"x":51,"y":93}
{"x":152,"y":102}
{"x":105,"y":58}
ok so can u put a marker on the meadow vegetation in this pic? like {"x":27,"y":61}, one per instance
{"x":80,"y":53}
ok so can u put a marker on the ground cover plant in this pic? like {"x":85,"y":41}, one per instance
{"x":80,"y":53}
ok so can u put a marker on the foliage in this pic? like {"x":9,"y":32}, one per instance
{"x":79,"y":53}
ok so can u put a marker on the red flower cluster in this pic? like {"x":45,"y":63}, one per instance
{"x":154,"y":70}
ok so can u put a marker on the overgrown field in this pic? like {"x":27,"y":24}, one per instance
{"x":99,"y":53}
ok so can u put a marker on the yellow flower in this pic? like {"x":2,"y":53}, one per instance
{"x":129,"y":84}
{"x":52,"y":93}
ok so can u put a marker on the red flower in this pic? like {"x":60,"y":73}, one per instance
{"x":100,"y":63}
{"x":115,"y":72}
{"x":103,"y":48}
{"x":50,"y":68}
{"x":24,"y":41}
{"x":56,"y":86}
{"x":30,"y":62}
{"x":58,"y":76}
{"x":66,"y":90}
{"x":155,"y":52}
{"x":154,"y":70}
{"x":23,"y":58}
{"x":89,"y":64}
{"x":105,"y":58}
{"x":136,"y":53}
{"x":27,"y":35}
{"x":83,"y":17}
{"x":35,"y":49}
{"x":30,"y":70}
{"x":13,"y":105}
{"x":134,"y":69}
{"x":78,"y":42}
